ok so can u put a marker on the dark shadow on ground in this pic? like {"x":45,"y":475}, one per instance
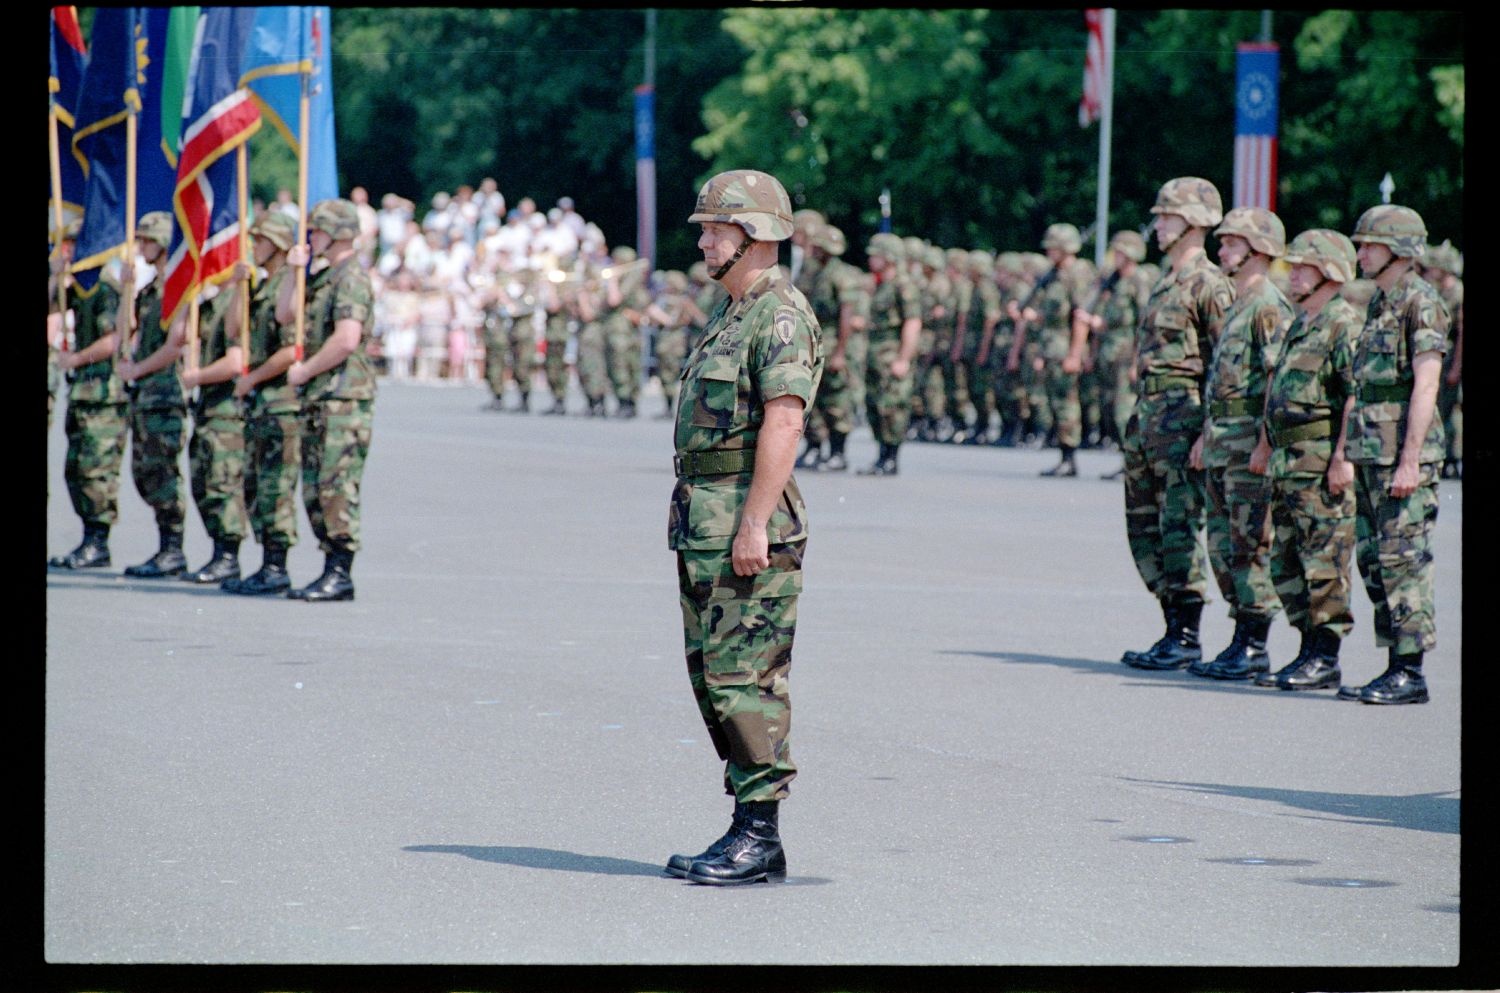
{"x":1436,"y":812}
{"x":545,"y":858}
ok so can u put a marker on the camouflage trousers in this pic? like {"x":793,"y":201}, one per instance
{"x":1007,"y":387}
{"x":921,"y":366}
{"x":887,"y":397}
{"x":91,"y":469}
{"x":1450,"y":405}
{"x":593,"y":372}
{"x":1314,"y":536}
{"x":737,"y":633}
{"x":520,"y":353}
{"x":216,"y":472}
{"x":623,"y":348}
{"x":273,"y":455}
{"x":856,"y":359}
{"x":1065,"y":412}
{"x":1239,"y":539}
{"x":555,"y":364}
{"x":156,"y":437}
{"x":947,"y":395}
{"x":979,"y":385}
{"x":1164,"y":512}
{"x":671,"y":350}
{"x":1116,"y":393}
{"x":1034,"y":389}
{"x":1393,"y":547}
{"x":335,"y":443}
{"x":833,"y":406}
{"x":496,"y":339}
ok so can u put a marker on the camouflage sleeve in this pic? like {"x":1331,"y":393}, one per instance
{"x":1081,"y":286}
{"x":1345,"y":331}
{"x":354,"y":298}
{"x":782,"y":353}
{"x":1427,"y":324}
{"x":1215,"y":294}
{"x":1270,"y":325}
{"x":910,"y":300}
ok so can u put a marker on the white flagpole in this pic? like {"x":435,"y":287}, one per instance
{"x":1106,"y":119}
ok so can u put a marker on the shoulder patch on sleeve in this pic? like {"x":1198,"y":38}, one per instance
{"x":785,"y":324}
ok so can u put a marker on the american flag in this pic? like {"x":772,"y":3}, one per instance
{"x":645,"y":171}
{"x":1255,"y":111}
{"x":1095,"y":69}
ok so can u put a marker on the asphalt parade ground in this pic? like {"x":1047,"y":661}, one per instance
{"x":485,"y":758}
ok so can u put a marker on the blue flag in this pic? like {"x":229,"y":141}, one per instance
{"x":287,"y":50}
{"x":107,"y":95}
{"x":68,"y":58}
{"x":1256,"y":85}
{"x":155,"y":164}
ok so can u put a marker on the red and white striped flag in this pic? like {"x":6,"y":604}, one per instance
{"x":1095,"y":69}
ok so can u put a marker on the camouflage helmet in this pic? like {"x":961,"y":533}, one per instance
{"x":831,"y":240}
{"x":755,"y":201}
{"x":155,"y":226}
{"x":1034,"y":264}
{"x":808,"y":222}
{"x":1194,"y":200}
{"x":276,"y":227}
{"x":934,"y":257}
{"x":72,"y":224}
{"x":1330,"y":252}
{"x":1130,"y":243}
{"x":1258,"y":226}
{"x":887,"y":246}
{"x":981,"y":263}
{"x":1398,"y":228}
{"x":1010,"y":262}
{"x":1445,"y":257}
{"x":622,"y":255}
{"x":1063,"y":236}
{"x":675,"y":281}
{"x":915,"y":247}
{"x":957,"y":258}
{"x":336,"y":217}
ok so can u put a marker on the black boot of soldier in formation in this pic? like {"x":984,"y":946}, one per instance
{"x":1179,"y":646}
{"x":334,"y":584}
{"x":1065,"y":467}
{"x":752,"y":854}
{"x":271,"y":578}
{"x":1246,"y":657}
{"x":224,"y":565}
{"x":885,"y":462}
{"x":836,"y":461}
{"x":678,"y":865}
{"x":91,"y":553}
{"x":1401,"y":682}
{"x":168,"y":560}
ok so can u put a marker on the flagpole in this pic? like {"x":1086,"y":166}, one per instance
{"x":303,"y":112}
{"x":192,"y":333}
{"x":127,"y":251}
{"x":55,"y":160}
{"x":1106,"y":119}
{"x":242,"y":164}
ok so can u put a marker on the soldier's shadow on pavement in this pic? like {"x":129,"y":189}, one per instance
{"x":545,"y":858}
{"x":1436,"y":812}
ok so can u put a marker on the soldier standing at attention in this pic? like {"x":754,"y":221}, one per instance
{"x":832,"y":417}
{"x":737,"y":521}
{"x":625,"y":302}
{"x":158,"y":408}
{"x":337,"y":387}
{"x":1163,"y":492}
{"x":97,"y":413}
{"x":1112,"y":319}
{"x":1395,"y":441}
{"x":1302,"y":448}
{"x":273,"y":422}
{"x":216,"y":452}
{"x":1443,"y":267}
{"x":1239,"y":522}
{"x":895,"y":327}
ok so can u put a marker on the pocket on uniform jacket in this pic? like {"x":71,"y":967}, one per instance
{"x":714,"y":510}
{"x":717,"y":399}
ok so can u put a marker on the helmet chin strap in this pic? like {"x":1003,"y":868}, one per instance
{"x":739,"y":253}
{"x":1388,"y":263}
{"x":1322,"y":281}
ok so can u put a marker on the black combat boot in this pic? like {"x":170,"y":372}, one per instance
{"x":334,"y":584}
{"x":525,"y":407}
{"x":812,"y":455}
{"x":225,"y":564}
{"x":1065,"y":467}
{"x":1318,"y":668}
{"x":559,"y":407}
{"x":271,"y":578}
{"x":1008,"y":434}
{"x":979,"y":430}
{"x":495,"y":404}
{"x":1403,"y":683}
{"x":1246,"y":655}
{"x":836,"y":461}
{"x":1236,"y":646}
{"x":1304,"y":654}
{"x":878,"y":468}
{"x":1179,"y":647}
{"x":752,"y":855}
{"x":626,"y":409}
{"x":168,"y":561}
{"x":91,"y":553}
{"x":678,"y":865}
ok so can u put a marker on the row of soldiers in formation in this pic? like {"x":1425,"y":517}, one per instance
{"x":269,"y":406}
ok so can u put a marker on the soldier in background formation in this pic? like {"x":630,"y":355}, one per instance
{"x":1111,"y":318}
{"x":895,"y":326}
{"x":1443,"y":267}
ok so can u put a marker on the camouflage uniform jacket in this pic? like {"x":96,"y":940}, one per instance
{"x":895,"y":299}
{"x":267,"y":337}
{"x":827,"y":292}
{"x":163,"y":388}
{"x":939,"y":292}
{"x":765,"y":346}
{"x":1244,"y":358}
{"x":340,"y":292}
{"x":215,"y":399}
{"x":1399,"y":325}
{"x":93,"y":318}
{"x":1176,"y":336}
{"x":984,"y":304}
{"x":1121,"y":312}
{"x":1313,"y":378}
{"x":1070,"y":289}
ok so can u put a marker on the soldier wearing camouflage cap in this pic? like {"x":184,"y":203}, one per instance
{"x":622,"y":311}
{"x":1395,"y":441}
{"x":673,"y":313}
{"x":806,"y":226}
{"x":736,"y":521}
{"x":1308,"y":395}
{"x":1111,"y":318}
{"x":929,"y":397}
{"x":895,"y":330}
{"x":336,"y":384}
{"x":972,"y":339}
{"x":97,"y":416}
{"x":1443,"y":267}
{"x":1164,"y":499}
{"x":831,"y":292}
{"x":158,"y":408}
{"x":273,"y":412}
{"x":1232,"y":449}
